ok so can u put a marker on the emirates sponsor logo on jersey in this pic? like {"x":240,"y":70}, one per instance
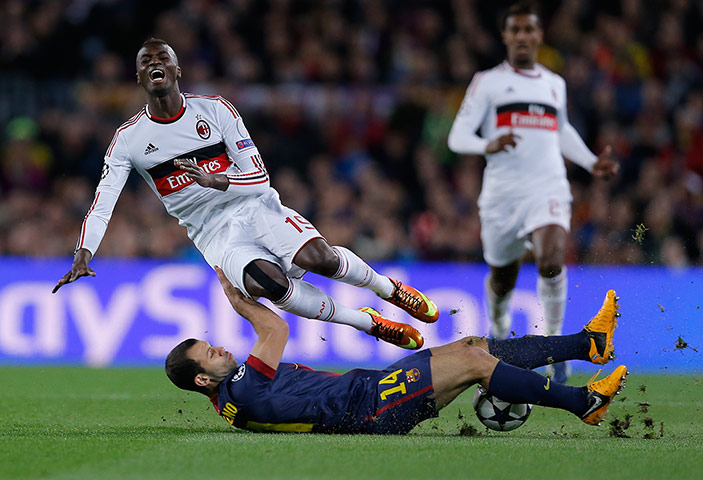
{"x":170,"y":179}
{"x":527,"y":115}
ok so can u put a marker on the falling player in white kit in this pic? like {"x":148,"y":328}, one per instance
{"x":197,"y":156}
{"x":520,"y":107}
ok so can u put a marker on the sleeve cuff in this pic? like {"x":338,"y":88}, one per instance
{"x":261,"y":367}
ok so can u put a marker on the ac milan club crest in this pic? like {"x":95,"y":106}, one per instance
{"x":203,"y":129}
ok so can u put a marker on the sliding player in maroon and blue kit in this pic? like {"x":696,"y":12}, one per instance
{"x":265,"y":394}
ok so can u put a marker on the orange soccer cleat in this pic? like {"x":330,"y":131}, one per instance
{"x":399,"y":334}
{"x":413,"y":302}
{"x":600,"y":330}
{"x":601,"y":393}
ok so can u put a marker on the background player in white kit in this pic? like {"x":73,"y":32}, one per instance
{"x":520,"y":107}
{"x":196,"y":154}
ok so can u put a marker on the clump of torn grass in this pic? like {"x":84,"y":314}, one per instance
{"x":638,"y":233}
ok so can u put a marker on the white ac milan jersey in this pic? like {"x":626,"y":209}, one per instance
{"x":208,"y":130}
{"x":531,"y":104}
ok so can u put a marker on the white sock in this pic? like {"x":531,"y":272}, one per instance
{"x":552,"y":296}
{"x":354,"y":271}
{"x":498,"y":311}
{"x":308,"y":301}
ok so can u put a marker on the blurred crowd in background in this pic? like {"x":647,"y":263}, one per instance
{"x":350,"y":103}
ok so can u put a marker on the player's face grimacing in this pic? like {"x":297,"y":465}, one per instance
{"x":157,"y":69}
{"x":522,"y":37}
{"x":216,"y":361}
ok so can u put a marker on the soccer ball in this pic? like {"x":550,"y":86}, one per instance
{"x":498,"y":415}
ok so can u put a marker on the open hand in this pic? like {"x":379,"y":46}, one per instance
{"x":605,"y":167}
{"x":235,"y":296}
{"x":79,"y":269}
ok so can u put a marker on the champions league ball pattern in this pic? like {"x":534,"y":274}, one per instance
{"x":497,"y":414}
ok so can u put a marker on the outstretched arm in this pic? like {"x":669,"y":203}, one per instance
{"x":115,"y":172}
{"x":116,"y":168}
{"x":271,"y":330}
{"x":574,"y":149}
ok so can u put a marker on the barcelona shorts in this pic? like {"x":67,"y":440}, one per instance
{"x":404,"y":396}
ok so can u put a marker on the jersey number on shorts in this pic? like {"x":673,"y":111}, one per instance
{"x":391,"y":379}
{"x":299,"y":220}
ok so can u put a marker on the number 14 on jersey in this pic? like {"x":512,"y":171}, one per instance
{"x":391,"y":379}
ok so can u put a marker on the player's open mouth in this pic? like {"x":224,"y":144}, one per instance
{"x":157,"y":76}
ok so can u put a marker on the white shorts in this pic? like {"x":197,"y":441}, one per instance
{"x":506,"y":227}
{"x":263,"y":229}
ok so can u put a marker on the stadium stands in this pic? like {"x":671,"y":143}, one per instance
{"x":350,"y":103}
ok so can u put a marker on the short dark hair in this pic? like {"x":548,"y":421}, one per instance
{"x":154,"y":41}
{"x":525,"y":7}
{"x":182,"y":370}
{"x":159,"y":41}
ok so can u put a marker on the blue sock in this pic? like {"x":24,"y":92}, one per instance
{"x":534,"y":351}
{"x":516,"y":385}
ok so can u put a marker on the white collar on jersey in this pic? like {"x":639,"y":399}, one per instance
{"x":532,"y":72}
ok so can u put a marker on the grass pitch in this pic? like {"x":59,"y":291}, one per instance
{"x":77,"y":423}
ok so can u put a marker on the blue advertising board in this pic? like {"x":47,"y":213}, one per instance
{"x":135,"y":311}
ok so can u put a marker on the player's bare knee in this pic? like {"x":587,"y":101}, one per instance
{"x":328,"y":263}
{"x":318,"y":257}
{"x":473,"y":353}
{"x":549,"y":269}
{"x":503,"y":286}
{"x":477,"y":363}
{"x":503,"y":279}
{"x":550,"y":261}
{"x":483,"y":363}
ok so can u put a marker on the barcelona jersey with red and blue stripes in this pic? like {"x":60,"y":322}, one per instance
{"x":295,"y":398}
